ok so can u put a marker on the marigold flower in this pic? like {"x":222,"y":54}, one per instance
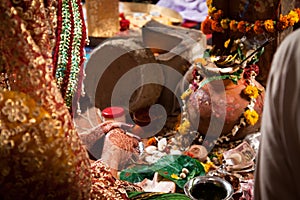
{"x":225,"y":23}
{"x":216,"y":26}
{"x":293,"y":17}
{"x":283,"y":22}
{"x":269,"y":25}
{"x":251,"y":116}
{"x":242,"y":26}
{"x":233,"y":25}
{"x":206,"y":26}
{"x":217,"y":15}
{"x":251,"y":91}
{"x":258,"y":27}
{"x":248,"y":27}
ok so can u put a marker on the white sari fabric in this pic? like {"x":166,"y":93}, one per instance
{"x":277,"y":174}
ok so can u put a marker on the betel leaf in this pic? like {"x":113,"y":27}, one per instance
{"x":137,"y":174}
{"x":166,"y":166}
{"x":173,"y":164}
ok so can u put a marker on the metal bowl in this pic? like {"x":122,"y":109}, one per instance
{"x":194,"y":186}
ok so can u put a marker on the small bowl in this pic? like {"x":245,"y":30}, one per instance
{"x":207,"y":188}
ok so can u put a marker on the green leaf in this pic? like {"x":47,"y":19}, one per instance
{"x":173,"y":164}
{"x":134,"y":194}
{"x":137,"y":174}
{"x":166,"y":166}
{"x":238,"y":72}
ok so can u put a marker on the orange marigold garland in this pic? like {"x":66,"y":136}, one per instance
{"x":215,"y":23}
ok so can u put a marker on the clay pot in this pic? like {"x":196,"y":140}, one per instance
{"x":224,"y":102}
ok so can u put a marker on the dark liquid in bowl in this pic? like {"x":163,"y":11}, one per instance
{"x":208,"y":191}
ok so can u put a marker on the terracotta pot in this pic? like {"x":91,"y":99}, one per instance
{"x":224,"y":102}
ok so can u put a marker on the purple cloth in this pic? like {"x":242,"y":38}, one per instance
{"x":194,"y":10}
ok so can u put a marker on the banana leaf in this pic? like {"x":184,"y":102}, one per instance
{"x":169,"y":167}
